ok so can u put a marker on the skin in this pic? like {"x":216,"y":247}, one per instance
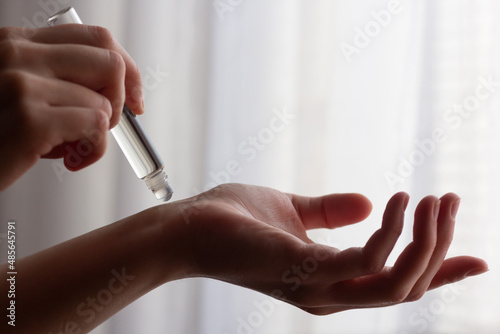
{"x":60,"y":82}
{"x":77,"y":79}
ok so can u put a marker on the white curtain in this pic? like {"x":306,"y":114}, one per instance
{"x":382,"y":96}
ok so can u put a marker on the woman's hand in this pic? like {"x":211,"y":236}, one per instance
{"x":256,"y":237}
{"x":61,"y":90}
{"x":250,"y":236}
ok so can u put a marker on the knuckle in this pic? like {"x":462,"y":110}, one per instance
{"x":9,"y":53}
{"x":394,"y":232}
{"x":446,"y":242}
{"x":373,"y":264}
{"x":116,"y":62}
{"x":397,"y":295}
{"x":414,"y":297}
{"x":102,"y":36}
{"x":8,"y":33}
{"x":15,"y":85}
{"x":115,"y":91}
{"x":16,"y":33}
{"x":5,"y":33}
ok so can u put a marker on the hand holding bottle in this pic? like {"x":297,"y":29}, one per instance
{"x":62,"y":89}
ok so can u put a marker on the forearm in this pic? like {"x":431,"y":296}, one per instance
{"x":75,"y":286}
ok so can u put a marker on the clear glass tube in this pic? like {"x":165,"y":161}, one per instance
{"x":130,"y":135}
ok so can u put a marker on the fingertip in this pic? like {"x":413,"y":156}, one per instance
{"x":115,"y":118}
{"x":72,"y":159}
{"x":363,"y":204}
{"x":425,"y":208}
{"x":142,"y":109}
{"x":449,"y":199}
{"x":135,"y":101}
{"x":369,"y":204}
{"x":402,"y":197}
{"x":332,"y":211}
{"x":396,"y":206}
{"x":481,"y":267}
{"x":458,"y":268}
{"x":352,"y":207}
{"x":451,"y":196}
{"x":451,"y":202}
{"x":483,"y":263}
{"x":137,"y":108}
{"x":477,"y":271}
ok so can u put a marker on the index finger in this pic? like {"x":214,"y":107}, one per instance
{"x":102,"y":38}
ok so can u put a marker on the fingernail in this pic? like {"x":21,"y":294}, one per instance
{"x":476,"y":272}
{"x":454,"y":208}
{"x":437,"y":206}
{"x":143,"y":104}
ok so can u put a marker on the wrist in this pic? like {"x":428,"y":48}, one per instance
{"x":171,"y":242}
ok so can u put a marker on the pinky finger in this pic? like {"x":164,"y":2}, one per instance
{"x":456,"y":269}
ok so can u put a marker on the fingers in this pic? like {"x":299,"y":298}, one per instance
{"x":414,"y":260}
{"x":87,"y":78}
{"x":357,"y":276}
{"x":100,"y":38}
{"x":102,"y":70}
{"x":97,"y":69}
{"x":445,"y":228}
{"x":331,"y":211}
{"x":85,"y":129}
{"x":354,"y":262}
{"x":371,"y":258}
{"x":59,"y":93}
{"x":43,"y":122}
{"x":451,"y":271}
{"x":456,"y":269}
{"x":392,"y":285}
{"x":78,"y":134}
{"x":67,"y":113}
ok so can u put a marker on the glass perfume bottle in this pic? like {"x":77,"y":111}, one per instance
{"x":130,"y":135}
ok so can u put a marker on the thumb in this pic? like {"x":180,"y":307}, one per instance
{"x":331,"y":211}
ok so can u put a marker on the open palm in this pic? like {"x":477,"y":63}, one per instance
{"x":256,"y":237}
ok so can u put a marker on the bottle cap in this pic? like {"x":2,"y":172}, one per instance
{"x":158,"y":184}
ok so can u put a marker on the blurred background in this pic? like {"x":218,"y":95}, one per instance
{"x":376,"y":96}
